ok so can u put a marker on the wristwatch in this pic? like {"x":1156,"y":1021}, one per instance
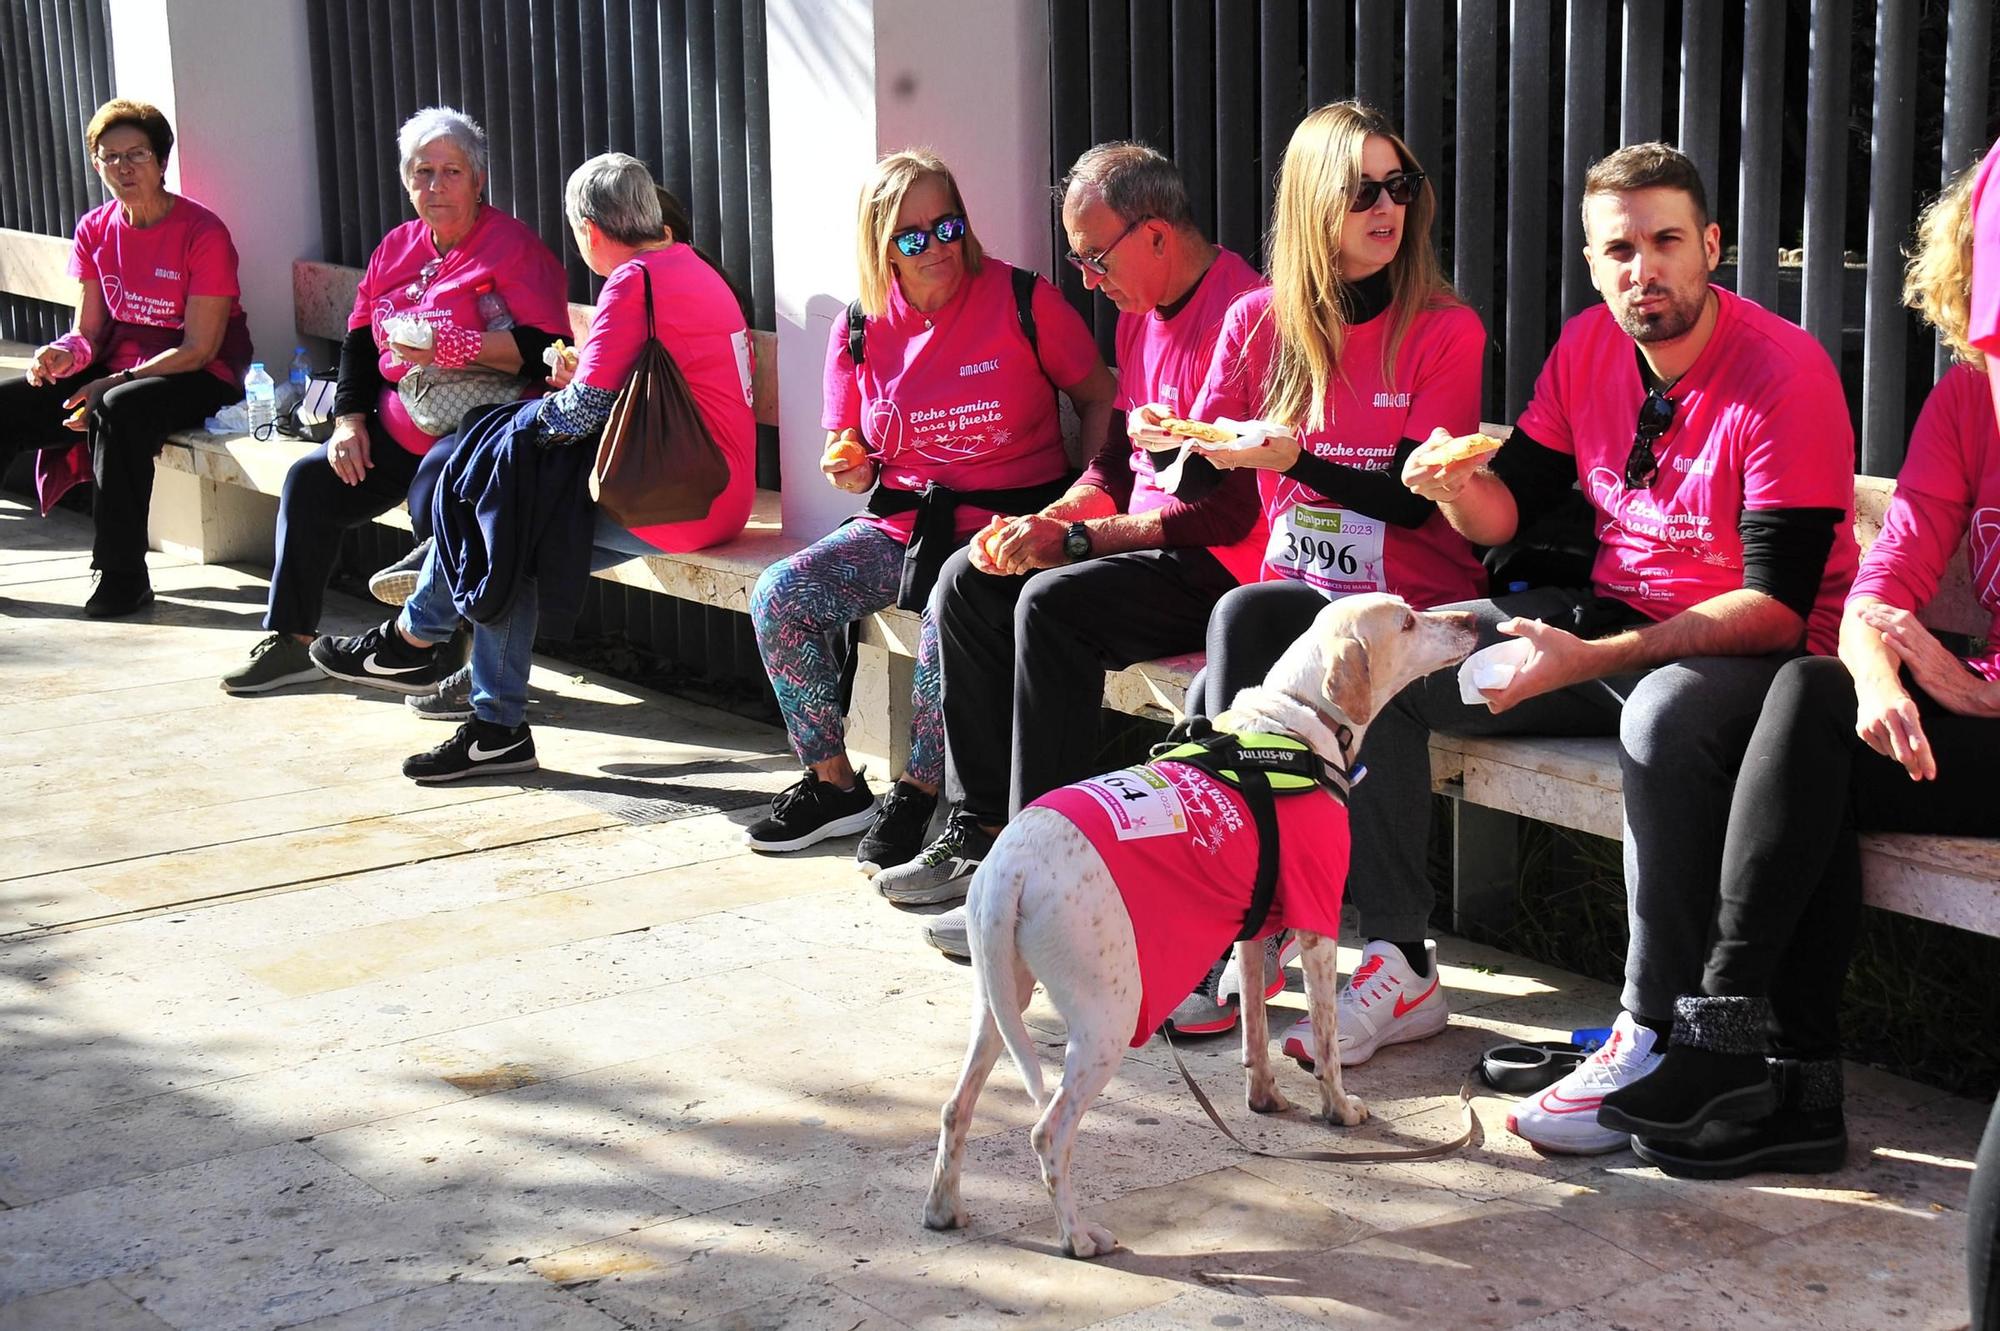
{"x":127,"y":375}
{"x":1076,"y":542}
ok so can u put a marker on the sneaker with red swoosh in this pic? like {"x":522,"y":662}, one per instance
{"x":1385,"y":1001}
{"x":1563,"y":1119}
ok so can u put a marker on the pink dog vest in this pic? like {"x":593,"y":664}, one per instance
{"x":1183,"y":850}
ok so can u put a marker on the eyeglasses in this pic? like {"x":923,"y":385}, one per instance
{"x":914,"y":241}
{"x":1094,"y":263}
{"x":1656,"y":413}
{"x":1401,"y":189}
{"x":137,"y":157}
{"x":425,"y":276}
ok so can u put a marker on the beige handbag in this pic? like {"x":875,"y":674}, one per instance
{"x":437,"y":398}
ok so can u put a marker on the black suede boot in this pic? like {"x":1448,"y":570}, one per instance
{"x":1807,"y":1134}
{"x":1713,"y":1069}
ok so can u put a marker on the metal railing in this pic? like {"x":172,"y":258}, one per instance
{"x":55,"y":71}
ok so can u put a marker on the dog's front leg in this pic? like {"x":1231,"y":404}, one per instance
{"x":1260,"y":1088}
{"x":1322,"y":967}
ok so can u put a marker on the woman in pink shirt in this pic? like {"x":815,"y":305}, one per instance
{"x":1361,"y":347}
{"x":940,"y":395}
{"x":492,"y":296}
{"x":1896,"y":733}
{"x":159,"y":343}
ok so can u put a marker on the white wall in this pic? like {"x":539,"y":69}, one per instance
{"x":234,"y":80}
{"x":849,"y":81}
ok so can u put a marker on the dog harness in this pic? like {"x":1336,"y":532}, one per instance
{"x":1185,"y":841}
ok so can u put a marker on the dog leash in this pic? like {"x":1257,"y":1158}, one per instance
{"x":1473,"y":1128}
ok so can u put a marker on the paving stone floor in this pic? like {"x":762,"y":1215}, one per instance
{"x":286,"y":1041}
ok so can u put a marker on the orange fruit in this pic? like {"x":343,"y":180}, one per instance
{"x":844,"y":453}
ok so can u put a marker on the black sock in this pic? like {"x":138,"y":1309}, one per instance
{"x":1415,"y":953}
{"x":1660,"y":1026}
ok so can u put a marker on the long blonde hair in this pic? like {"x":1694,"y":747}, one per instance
{"x":881,"y":199}
{"x":1318,"y":180}
{"x":1937,"y":284}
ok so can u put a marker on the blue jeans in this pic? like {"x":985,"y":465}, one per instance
{"x":503,"y":651}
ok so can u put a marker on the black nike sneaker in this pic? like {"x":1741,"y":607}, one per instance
{"x":382,"y":659}
{"x":476,"y":749}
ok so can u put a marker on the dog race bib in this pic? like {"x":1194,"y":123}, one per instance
{"x":1139,"y":801}
{"x":1334,"y":549}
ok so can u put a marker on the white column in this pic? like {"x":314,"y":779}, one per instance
{"x":851,"y":80}
{"x":234,"y":79}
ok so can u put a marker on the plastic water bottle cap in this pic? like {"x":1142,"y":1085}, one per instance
{"x":1517,"y":586}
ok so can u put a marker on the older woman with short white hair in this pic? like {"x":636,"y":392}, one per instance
{"x":484,"y":292}
{"x":614,"y":212}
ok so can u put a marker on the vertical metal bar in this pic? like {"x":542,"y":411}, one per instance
{"x":701,"y":123}
{"x":1073,"y":49}
{"x":372,"y":150}
{"x":1588,"y":29}
{"x":1110,"y":89}
{"x":1327,"y":77}
{"x":1194,"y":106}
{"x":1150,"y":40}
{"x":447,"y":56}
{"x":63,"y":74}
{"x":42,"y":146}
{"x":1527,"y":198}
{"x":1375,"y":54}
{"x":757,"y":149}
{"x":423,"y":58}
{"x":1280,"y":104}
{"x":615,"y":31}
{"x":1473,"y":173}
{"x":1236,"y":194}
{"x":1701,"y":91}
{"x":1967,"y":63}
{"x":1763,"y":127}
{"x":324,"y":145}
{"x":647,"y":133}
{"x":562,"y":141}
{"x":1639,"y":111}
{"x":1885,"y":340}
{"x":1826,"y":173}
{"x":1423,"y":92}
{"x":677,"y":119}
{"x":601,"y":60}
{"x":732,"y":178}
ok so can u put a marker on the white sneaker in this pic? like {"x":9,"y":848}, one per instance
{"x":1563,"y":1118}
{"x":1383,"y":1002}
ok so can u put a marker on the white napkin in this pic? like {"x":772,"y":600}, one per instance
{"x":408,"y":330}
{"x":1249,"y":434}
{"x":1491,"y":668}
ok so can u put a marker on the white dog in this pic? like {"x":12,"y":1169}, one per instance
{"x":1045,"y":906}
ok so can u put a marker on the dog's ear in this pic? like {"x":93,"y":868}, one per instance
{"x":1347,"y":681}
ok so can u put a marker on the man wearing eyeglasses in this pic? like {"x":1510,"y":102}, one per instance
{"x":1118,"y":570}
{"x":1712,"y":440}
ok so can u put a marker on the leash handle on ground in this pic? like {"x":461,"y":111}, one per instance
{"x":1383,"y":1156}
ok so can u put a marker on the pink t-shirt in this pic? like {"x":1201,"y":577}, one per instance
{"x":1948,"y":489}
{"x":1984,"y":329}
{"x":1183,"y":850}
{"x":1436,"y":382}
{"x":700,"y":324}
{"x":955,"y":396}
{"x":499,"y":250}
{"x":148,"y":274}
{"x":1165,"y":361}
{"x":1760,"y":423}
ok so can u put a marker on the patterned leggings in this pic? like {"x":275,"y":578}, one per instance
{"x":799,"y":608}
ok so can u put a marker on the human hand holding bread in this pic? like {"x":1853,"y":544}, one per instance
{"x":1439,"y":468}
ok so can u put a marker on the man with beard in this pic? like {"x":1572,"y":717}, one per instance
{"x":1712,"y":440}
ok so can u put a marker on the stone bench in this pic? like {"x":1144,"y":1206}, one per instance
{"x":216,"y":500}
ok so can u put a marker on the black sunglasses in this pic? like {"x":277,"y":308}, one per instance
{"x":1656,"y":413}
{"x":915,"y":240}
{"x":1401,"y":189}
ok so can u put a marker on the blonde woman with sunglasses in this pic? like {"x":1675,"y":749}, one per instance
{"x":941,"y":402}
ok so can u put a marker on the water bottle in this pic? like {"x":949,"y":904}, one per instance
{"x":260,"y":397}
{"x":493,"y":309}
{"x":294,"y":391}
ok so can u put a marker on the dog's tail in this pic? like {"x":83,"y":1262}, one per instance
{"x":993,"y":913}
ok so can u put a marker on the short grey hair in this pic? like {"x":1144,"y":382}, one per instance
{"x":440,"y":122}
{"x":616,"y":191}
{"x":1133,"y":181}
